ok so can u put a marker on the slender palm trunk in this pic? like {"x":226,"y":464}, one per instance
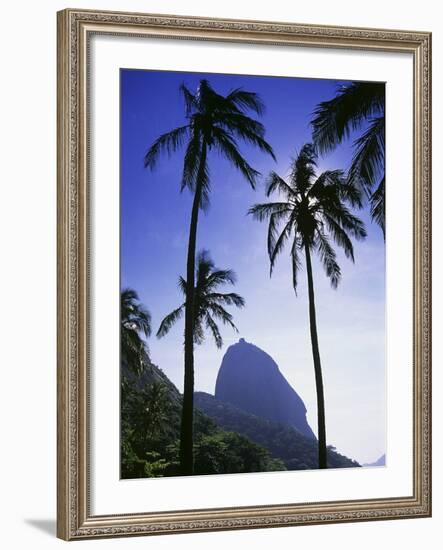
{"x":187,"y":420}
{"x":322,"y":457}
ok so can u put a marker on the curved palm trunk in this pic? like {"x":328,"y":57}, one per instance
{"x":322,"y":457}
{"x":187,"y":420}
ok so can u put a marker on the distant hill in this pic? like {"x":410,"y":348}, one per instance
{"x":250,"y":379}
{"x":379,"y":462}
{"x":297,"y":451}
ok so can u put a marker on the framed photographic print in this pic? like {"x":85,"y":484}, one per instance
{"x":243,"y":274}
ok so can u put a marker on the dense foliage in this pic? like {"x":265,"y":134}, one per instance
{"x":150,"y":434}
{"x":297,"y":451}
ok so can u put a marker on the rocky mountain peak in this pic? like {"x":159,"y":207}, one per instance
{"x":250,"y":379}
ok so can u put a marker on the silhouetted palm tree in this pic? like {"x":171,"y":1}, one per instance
{"x":354,"y":105}
{"x":135,"y":322}
{"x":214,"y":123}
{"x":208,"y":302}
{"x":311,"y":211}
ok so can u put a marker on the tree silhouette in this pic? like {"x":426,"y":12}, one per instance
{"x":214,"y":123}
{"x":135,"y":323}
{"x":310,"y":213}
{"x":353,"y":106}
{"x":209,"y":304}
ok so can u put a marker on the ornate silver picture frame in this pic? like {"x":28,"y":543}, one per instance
{"x":75,"y":518}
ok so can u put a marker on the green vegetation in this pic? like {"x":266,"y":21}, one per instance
{"x":311,"y":210}
{"x":294,"y":449}
{"x":135,"y":323}
{"x":150,"y":434}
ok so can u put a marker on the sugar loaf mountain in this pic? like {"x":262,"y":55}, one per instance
{"x":256,"y":421}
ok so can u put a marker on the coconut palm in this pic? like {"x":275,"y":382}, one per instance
{"x":357,"y":105}
{"x":311,"y":212}
{"x":135,"y":323}
{"x":209,"y":304}
{"x":214,"y":123}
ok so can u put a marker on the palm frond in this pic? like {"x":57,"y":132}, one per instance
{"x":227,"y":147}
{"x":212,"y":325}
{"x":196,"y":172}
{"x":276,"y":212}
{"x":368,"y":161}
{"x":133,"y":314}
{"x":191,"y":163}
{"x":134,"y":351}
{"x":204,"y":267}
{"x":275,"y":183}
{"x":135,"y":321}
{"x":182,"y":285}
{"x":189,"y":98}
{"x":129,"y":295}
{"x":220,"y":277}
{"x":263,"y":211}
{"x":246,"y":100}
{"x":352,"y":195}
{"x":328,"y":258}
{"x":169,"y":321}
{"x":239,"y":123}
{"x":168,"y":143}
{"x":230,"y":299}
{"x":377,"y":201}
{"x":295,"y":263}
{"x":340,"y":237}
{"x":274,"y":224}
{"x":347,"y":220}
{"x":199,"y":333}
{"x":220,"y":313}
{"x":248,"y":129}
{"x":303,"y":168}
{"x":274,"y":248}
{"x":334,"y":120}
{"x":330,"y":180}
{"x":209,"y":101}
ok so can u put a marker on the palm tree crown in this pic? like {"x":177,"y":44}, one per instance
{"x":209,"y":303}
{"x":355,"y":105}
{"x":214,"y":122}
{"x":135,"y":323}
{"x":311,"y":211}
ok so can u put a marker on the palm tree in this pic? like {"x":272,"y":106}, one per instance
{"x":357,"y":105}
{"x":135,"y":323}
{"x":214,"y":123}
{"x":209,"y":303}
{"x":311,"y":212}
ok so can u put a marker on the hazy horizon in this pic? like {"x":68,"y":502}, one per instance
{"x":154,"y":228}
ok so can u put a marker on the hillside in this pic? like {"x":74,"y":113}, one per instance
{"x":297,"y":451}
{"x":150,"y":432}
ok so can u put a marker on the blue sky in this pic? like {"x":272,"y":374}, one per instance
{"x":154,"y":228}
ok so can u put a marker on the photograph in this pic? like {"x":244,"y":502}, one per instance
{"x":252,"y":274}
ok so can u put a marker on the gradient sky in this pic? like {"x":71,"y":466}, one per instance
{"x":154,"y":229}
